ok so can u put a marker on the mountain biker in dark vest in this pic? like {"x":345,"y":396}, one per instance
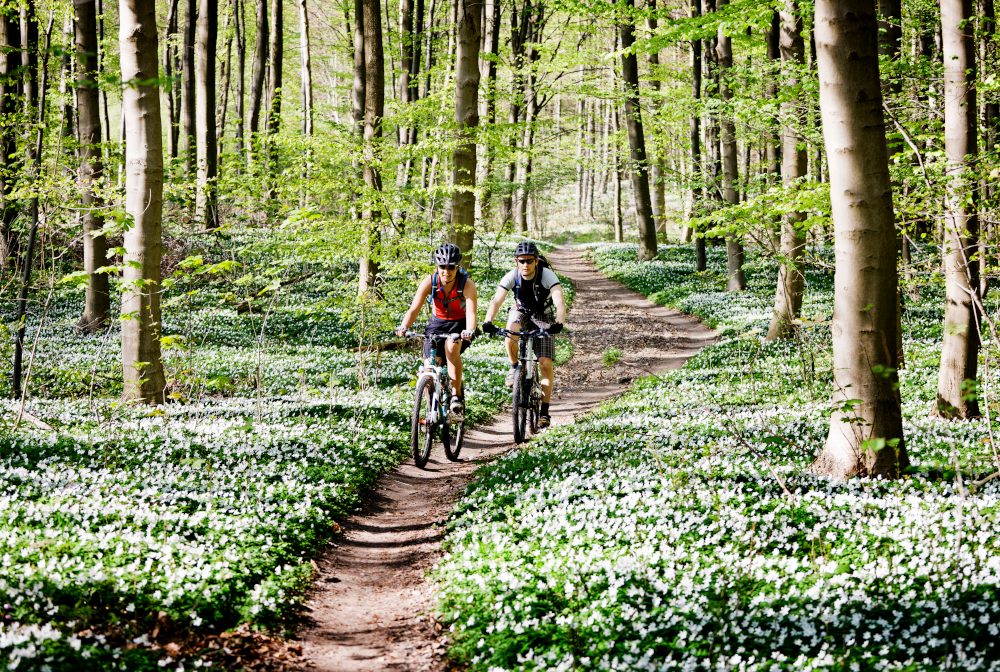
{"x":452,"y":302}
{"x":538,"y":303}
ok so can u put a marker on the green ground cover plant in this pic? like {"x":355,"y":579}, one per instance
{"x":678,"y":528}
{"x":206,"y":511}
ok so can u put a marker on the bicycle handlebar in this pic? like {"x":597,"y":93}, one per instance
{"x":417,"y":334}
{"x":521,"y":334}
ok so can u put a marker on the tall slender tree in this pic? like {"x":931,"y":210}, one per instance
{"x":695,"y":138}
{"x":463,"y":205}
{"x":791,"y":280}
{"x":189,"y":115}
{"x":257,"y":82}
{"x":141,"y":363}
{"x":639,"y":164}
{"x":206,"y":211}
{"x":866,"y":429}
{"x":241,"y":50}
{"x":956,"y":396}
{"x":374,"y":108}
{"x":737,"y":279}
{"x":171,"y":91}
{"x":97,"y":302}
{"x":10,"y":64}
{"x":276,"y":58}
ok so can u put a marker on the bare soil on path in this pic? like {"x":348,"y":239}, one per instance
{"x":371,"y":608}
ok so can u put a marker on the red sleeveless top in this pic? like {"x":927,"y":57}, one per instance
{"x":447,"y":306}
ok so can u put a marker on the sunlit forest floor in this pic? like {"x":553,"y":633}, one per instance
{"x":677,"y":527}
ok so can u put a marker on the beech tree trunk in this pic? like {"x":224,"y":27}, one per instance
{"x":189,"y":115}
{"x":488,"y":106}
{"x":29,"y":58}
{"x":772,"y":143}
{"x":306,"y":77}
{"x":171,"y":91}
{"x":737,"y":281}
{"x":657,"y":173}
{"x":960,"y":352}
{"x":141,"y":363}
{"x":374,"y":87}
{"x":10,"y":62}
{"x":97,"y":303}
{"x":791,"y":281}
{"x":639,"y":165}
{"x":866,"y":428}
{"x":257,"y":82}
{"x":206,"y":210}
{"x":697,"y":176}
{"x":405,"y":51}
{"x":276,"y":57}
{"x":241,"y":51}
{"x":463,"y":204}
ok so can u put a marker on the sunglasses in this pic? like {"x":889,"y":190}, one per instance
{"x":449,"y":267}
{"x":528,"y":261}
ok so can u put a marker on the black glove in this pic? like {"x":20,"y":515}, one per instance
{"x":490,"y":328}
{"x":555,"y":328}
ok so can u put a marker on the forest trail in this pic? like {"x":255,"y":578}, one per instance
{"x":371,"y":607}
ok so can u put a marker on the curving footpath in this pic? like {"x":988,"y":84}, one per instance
{"x":371,"y":607}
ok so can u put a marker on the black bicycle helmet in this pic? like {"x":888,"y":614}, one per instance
{"x":526,"y":247}
{"x":446,"y":254}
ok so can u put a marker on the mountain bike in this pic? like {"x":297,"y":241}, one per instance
{"x":527,"y":394}
{"x":430,"y":407}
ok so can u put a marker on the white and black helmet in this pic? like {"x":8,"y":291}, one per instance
{"x":447,"y":254}
{"x":526,"y":247}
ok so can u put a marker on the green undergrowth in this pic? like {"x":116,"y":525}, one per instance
{"x":208,"y":510}
{"x":677,"y":527}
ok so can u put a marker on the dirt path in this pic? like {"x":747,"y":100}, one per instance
{"x":371,"y":607}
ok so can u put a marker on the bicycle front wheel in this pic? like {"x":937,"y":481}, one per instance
{"x":424,"y":422}
{"x":519,"y":407}
{"x":452,"y":435}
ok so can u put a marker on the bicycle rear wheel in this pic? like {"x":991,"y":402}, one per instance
{"x":424,"y":424}
{"x":519,"y":407}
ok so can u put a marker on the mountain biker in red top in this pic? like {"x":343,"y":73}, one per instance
{"x":536,"y":294}
{"x":452,"y":301}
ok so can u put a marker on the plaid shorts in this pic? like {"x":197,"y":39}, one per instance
{"x":543,"y":345}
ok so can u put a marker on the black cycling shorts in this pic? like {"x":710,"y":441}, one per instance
{"x":440,"y":327}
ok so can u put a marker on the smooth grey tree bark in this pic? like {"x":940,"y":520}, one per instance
{"x":257,"y":81}
{"x":960,"y":351}
{"x":171,"y":91}
{"x":10,"y":62}
{"x":374,"y":106}
{"x":276,"y":56}
{"x":701,"y":262}
{"x":794,"y":166}
{"x":241,"y":51}
{"x":141,"y":364}
{"x":639,"y":164}
{"x":463,"y":203}
{"x":206,"y":209}
{"x":97,"y":302}
{"x":866,"y":428}
{"x":189,"y":115}
{"x":737,"y":279}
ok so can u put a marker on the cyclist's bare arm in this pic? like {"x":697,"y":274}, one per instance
{"x":557,"y":297}
{"x":471,"y":303}
{"x":495,"y":303}
{"x":423,"y":291}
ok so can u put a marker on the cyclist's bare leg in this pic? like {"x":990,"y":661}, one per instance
{"x":453,"y":353}
{"x":545,"y":374}
{"x":512,"y":342}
